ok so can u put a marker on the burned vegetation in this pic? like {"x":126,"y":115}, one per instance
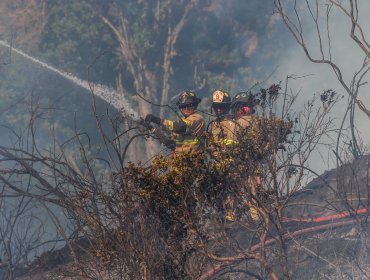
{"x":167,"y":219}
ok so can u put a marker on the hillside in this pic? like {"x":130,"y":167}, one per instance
{"x":326,"y":237}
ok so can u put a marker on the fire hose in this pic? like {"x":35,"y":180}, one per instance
{"x":290,"y":235}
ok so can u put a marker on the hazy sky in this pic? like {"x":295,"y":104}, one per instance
{"x":345,"y":53}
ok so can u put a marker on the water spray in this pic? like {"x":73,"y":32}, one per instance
{"x":105,"y":93}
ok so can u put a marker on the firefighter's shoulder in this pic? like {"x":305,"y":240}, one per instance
{"x":196,"y":117}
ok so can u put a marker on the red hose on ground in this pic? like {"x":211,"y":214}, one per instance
{"x":288,"y":235}
{"x":209,"y":273}
{"x":326,"y":218}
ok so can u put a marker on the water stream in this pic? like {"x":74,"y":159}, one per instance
{"x":107,"y":94}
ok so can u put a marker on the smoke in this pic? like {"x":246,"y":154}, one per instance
{"x":318,"y":77}
{"x":253,"y":44}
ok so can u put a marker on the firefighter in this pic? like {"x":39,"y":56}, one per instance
{"x":189,"y":131}
{"x":221,"y":131}
{"x":222,"y":128}
{"x":242,"y":110}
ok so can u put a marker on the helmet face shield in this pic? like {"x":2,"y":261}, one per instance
{"x":222,"y":106}
{"x":183,"y":106}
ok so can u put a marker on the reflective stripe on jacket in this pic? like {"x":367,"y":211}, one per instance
{"x":223,"y":131}
{"x":190,"y":138}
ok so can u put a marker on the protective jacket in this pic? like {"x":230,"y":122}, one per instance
{"x":188,"y":133}
{"x":223,"y":130}
{"x":242,"y":123}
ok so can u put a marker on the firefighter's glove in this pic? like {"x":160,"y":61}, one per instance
{"x":169,"y":143}
{"x":152,"y":119}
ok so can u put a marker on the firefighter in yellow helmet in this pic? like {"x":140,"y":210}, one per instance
{"x":187,"y":132}
{"x":242,"y":110}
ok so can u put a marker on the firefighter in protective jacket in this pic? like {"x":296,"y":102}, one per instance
{"x":222,"y":128}
{"x":242,"y":109}
{"x":222,"y":133}
{"x":189,"y":131}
